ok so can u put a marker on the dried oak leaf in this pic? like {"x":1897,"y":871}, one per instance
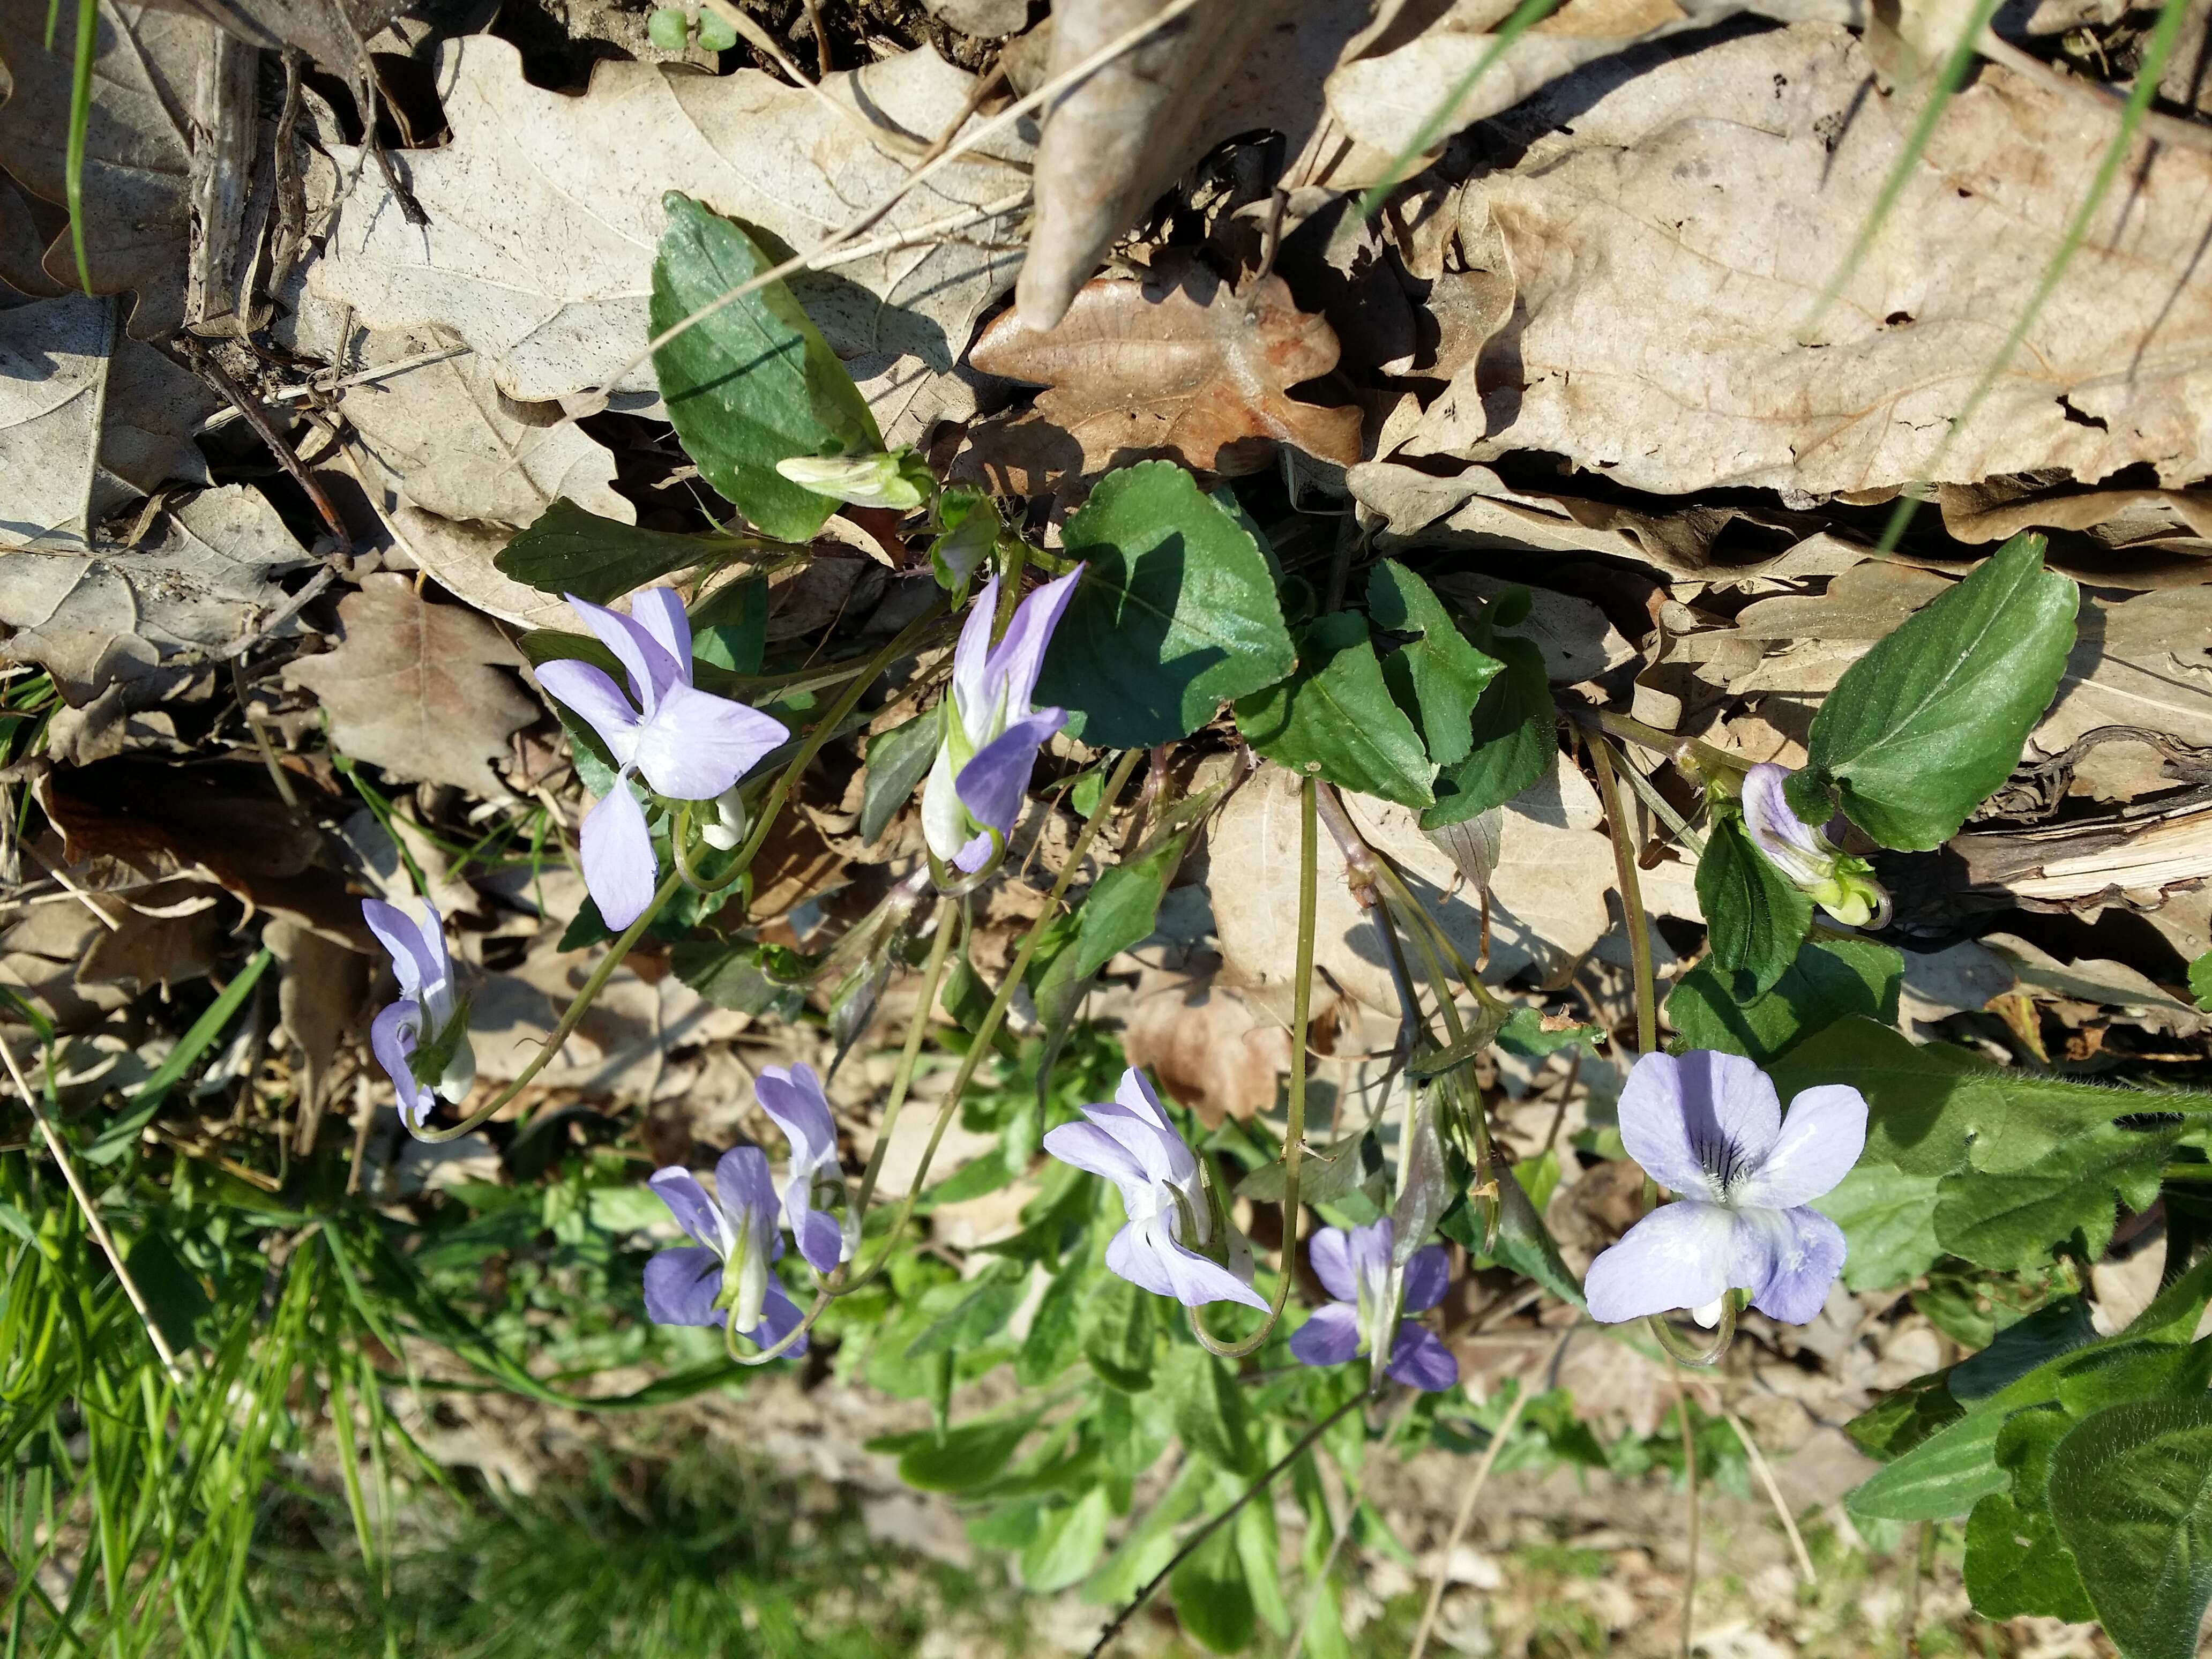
{"x":1177,"y":365}
{"x":417,"y":689}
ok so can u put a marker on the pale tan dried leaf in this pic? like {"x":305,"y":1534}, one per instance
{"x":1671,"y":244}
{"x":1577,"y":641}
{"x":1178,"y":364}
{"x":1205,"y":1045}
{"x":2145,"y":663}
{"x":161,"y":935}
{"x":328,"y":31}
{"x":143,"y":617}
{"x":418,"y":689}
{"x":461,"y":555}
{"x":319,"y":1001}
{"x":2166,"y":520}
{"x":138,"y":153}
{"x":2097,"y":981}
{"x":552,"y":287}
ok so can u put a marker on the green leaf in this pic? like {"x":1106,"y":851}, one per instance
{"x":1125,"y":903}
{"x":1439,"y":674}
{"x":1212,"y":1601}
{"x":2016,"y":1565}
{"x":1067,"y":1544}
{"x":1889,"y":1219}
{"x":1525,"y":1245}
{"x":2131,"y":1491}
{"x":1335,"y":718}
{"x":567,"y":550}
{"x":1207,"y":1409}
{"x":2200,"y":981}
{"x":1895,"y":1424}
{"x":729,"y":627}
{"x":1056,"y":1337}
{"x":174,"y":1296}
{"x":729,"y":975}
{"x":961,"y":1459}
{"x":977,"y":1318}
{"x":2062,"y":1200}
{"x":1828,"y":980}
{"x":1325,"y":1173}
{"x":1525,"y":1034}
{"x":1176,"y":614}
{"x":1513,"y":741}
{"x":1755,"y":919}
{"x":2059,"y":1326}
{"x":1117,"y":1334}
{"x":897,"y":760}
{"x":1922,"y":728}
{"x":753,"y":384}
{"x":1932,"y":1109}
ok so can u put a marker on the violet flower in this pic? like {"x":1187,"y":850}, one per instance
{"x":991,"y":735}
{"x":1179,"y":1241}
{"x":1354,"y":1268}
{"x":1709,"y":1126}
{"x":724,"y":1275}
{"x":689,"y":745}
{"x":429,"y":1016}
{"x":1840,"y":883}
{"x":794,"y":1099}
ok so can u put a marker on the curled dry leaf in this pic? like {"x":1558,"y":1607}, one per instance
{"x":1670,"y":247}
{"x":551,"y":289}
{"x":1178,"y":365}
{"x":328,"y":31}
{"x":319,"y":1001}
{"x":418,"y":689}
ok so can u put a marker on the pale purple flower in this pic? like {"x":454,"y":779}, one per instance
{"x":1172,"y":1218}
{"x":726,"y":1274}
{"x":1354,"y":1268}
{"x":1709,"y":1126}
{"x":426,"y":1010}
{"x":1841,"y":886}
{"x":689,"y":745}
{"x":794,"y":1099}
{"x":991,"y":735}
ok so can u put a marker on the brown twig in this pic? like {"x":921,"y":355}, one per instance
{"x":250,"y":409}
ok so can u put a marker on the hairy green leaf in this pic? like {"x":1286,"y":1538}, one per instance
{"x":1829,"y":980}
{"x":2062,"y":1200}
{"x":1512,"y":743}
{"x":2016,"y":1565}
{"x":1889,"y":1219}
{"x":1755,"y":919}
{"x":2131,"y":1491}
{"x":897,"y":760}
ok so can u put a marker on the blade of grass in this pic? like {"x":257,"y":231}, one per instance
{"x":80,"y":122}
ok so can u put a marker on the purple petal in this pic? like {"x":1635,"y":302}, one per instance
{"x":417,"y":962}
{"x":681,"y":1286}
{"x":617,"y":847}
{"x":687,"y":1200}
{"x":1428,"y":1276}
{"x":696,"y":744}
{"x":1134,"y":1118}
{"x":1678,"y":1256}
{"x":1419,"y":1361}
{"x":1369,"y":1248}
{"x":778,"y":1315}
{"x":1785,"y":838}
{"x":741,"y":1182}
{"x":1092,"y":1150}
{"x":1688,"y":1120}
{"x":1329,"y":1251}
{"x":821,"y":1241}
{"x":991,"y":786}
{"x":971,"y":658}
{"x":661,"y":613}
{"x":651,"y":669}
{"x":391,"y":1038}
{"x":1821,"y":1139}
{"x":1015,"y":665}
{"x":1146,"y":1254}
{"x":595,"y":700}
{"x":973,"y":855}
{"x":1798,"y":1255}
{"x":1330,"y":1337}
{"x":793,"y":1098}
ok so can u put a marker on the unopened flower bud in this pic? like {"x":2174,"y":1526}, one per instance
{"x":1840,"y":883}
{"x":731,"y":822}
{"x":878,"y":480}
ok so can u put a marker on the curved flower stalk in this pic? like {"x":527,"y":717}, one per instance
{"x":1709,"y":1126}
{"x":1841,"y":886}
{"x":689,"y":744}
{"x":991,"y":735}
{"x":793,"y":1097}
{"x":726,"y":1275}
{"x":1178,"y":1240}
{"x":426,"y":1032}
{"x":1354,"y":1268}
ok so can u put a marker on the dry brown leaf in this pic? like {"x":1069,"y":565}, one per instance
{"x":319,"y":1001}
{"x":1670,"y":247}
{"x":41,"y":946}
{"x":2146,"y":663}
{"x":162,"y":935}
{"x":1178,"y":365}
{"x":2177,"y":521}
{"x":328,"y":31}
{"x":417,"y":689}
{"x":1208,"y":1047}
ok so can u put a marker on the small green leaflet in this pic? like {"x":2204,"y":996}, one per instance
{"x":961,"y":1459}
{"x":567,"y":550}
{"x":2063,"y":1200}
{"x":2131,"y":1492}
{"x":1067,"y":1543}
{"x":2200,"y":981}
{"x":1756,"y":919}
{"x":1513,"y":742}
{"x":1335,"y":718}
{"x":1438,"y":677}
{"x":1175,"y":615}
{"x":1922,"y":728}
{"x":897,"y":760}
{"x":1208,"y":1409}
{"x":1125,"y":903}
{"x":754,"y":383}
{"x":1829,"y":980}
{"x":1214,"y":1601}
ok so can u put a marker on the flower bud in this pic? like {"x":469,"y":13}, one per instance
{"x":1840,"y":883}
{"x":731,"y":822}
{"x":877,"y":480}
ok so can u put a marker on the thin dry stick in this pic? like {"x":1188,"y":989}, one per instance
{"x":1690,"y":1473}
{"x":1766,"y":1473}
{"x":1474,"y":1492}
{"x":1631,"y":902}
{"x":60,"y":1150}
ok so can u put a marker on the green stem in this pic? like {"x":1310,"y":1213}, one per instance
{"x":1294,"y":1131}
{"x":679,"y":849}
{"x":1682,"y":1352}
{"x":986,"y":1030}
{"x":1631,"y":900}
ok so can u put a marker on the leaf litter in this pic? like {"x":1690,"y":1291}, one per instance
{"x":1576,"y":354}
